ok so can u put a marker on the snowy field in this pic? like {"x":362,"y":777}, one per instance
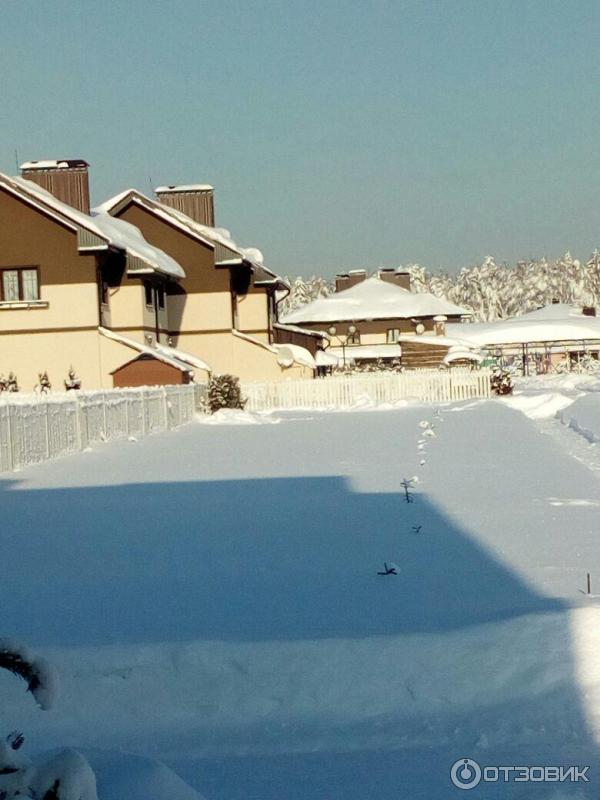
{"x":210,"y":597}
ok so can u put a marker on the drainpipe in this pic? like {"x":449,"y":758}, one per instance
{"x":154,"y":290}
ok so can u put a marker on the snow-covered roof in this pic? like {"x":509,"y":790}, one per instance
{"x":373,"y":298}
{"x":160,"y":353}
{"x":324,"y":358}
{"x":365,"y":351}
{"x":210,"y":236}
{"x":432,"y":339}
{"x":113,"y":232}
{"x":181,"y":355}
{"x":188,"y":187}
{"x":62,"y":163}
{"x":204,"y":233}
{"x":555,"y":323}
{"x":458,"y":353}
{"x":305,"y":331}
{"x":287,"y":354}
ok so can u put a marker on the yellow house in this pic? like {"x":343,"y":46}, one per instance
{"x":378,"y":318}
{"x":224,"y":309}
{"x":88,"y":290}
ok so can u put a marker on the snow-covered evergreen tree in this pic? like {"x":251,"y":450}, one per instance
{"x":305,"y":290}
{"x":491,"y":291}
{"x":224,"y":392}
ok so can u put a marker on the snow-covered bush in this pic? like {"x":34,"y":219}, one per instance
{"x":584,"y":365}
{"x":224,"y":392}
{"x":380,"y":365}
{"x":66,"y":776}
{"x":501,"y":382}
{"x":9,"y":384}
{"x":73,"y":381}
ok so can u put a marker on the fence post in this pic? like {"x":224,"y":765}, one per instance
{"x":78,"y":424}
{"x":9,"y":437}
{"x":47,"y":430}
{"x":104,"y":420}
{"x":127,"y":424}
{"x":165,"y":407}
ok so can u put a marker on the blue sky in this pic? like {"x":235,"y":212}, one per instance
{"x":337,"y":134}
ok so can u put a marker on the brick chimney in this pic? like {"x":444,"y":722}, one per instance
{"x":67,"y":179}
{"x":346,"y":280}
{"x":396,"y":276}
{"x":195,"y":200}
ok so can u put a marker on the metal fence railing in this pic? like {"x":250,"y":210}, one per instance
{"x":345,"y":391}
{"x":36,"y":428}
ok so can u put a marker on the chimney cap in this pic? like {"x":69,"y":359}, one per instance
{"x":189,"y":187}
{"x":357,"y":272}
{"x":61,"y":163}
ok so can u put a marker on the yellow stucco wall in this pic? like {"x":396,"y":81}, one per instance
{"x":253,"y":313}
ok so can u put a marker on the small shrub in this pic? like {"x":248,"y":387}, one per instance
{"x":224,"y":392}
{"x":501,"y":382}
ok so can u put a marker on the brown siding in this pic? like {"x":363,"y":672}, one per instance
{"x":197,"y":259}
{"x":147,"y":371}
{"x":400,"y":279}
{"x":345,"y":281}
{"x":417,"y":355}
{"x":283,"y":336}
{"x":198,"y":204}
{"x":71,"y":185}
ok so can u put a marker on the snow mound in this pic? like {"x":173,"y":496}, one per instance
{"x":538,"y":406}
{"x":583,"y":416}
{"x":234,"y":416}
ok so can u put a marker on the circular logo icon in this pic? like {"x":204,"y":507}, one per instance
{"x":465,"y":773}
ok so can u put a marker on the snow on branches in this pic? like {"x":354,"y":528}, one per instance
{"x":39,"y":675}
{"x":492,"y":291}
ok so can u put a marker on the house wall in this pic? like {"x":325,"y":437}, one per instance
{"x":63,"y":332}
{"x":375,"y":331}
{"x":253,"y":313}
{"x":225,"y":352}
{"x":200,"y":318}
{"x":204,"y":305}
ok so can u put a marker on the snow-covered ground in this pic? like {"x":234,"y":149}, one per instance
{"x":211,"y":600}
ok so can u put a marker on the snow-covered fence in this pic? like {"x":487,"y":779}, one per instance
{"x":35,"y":428}
{"x":345,"y":391}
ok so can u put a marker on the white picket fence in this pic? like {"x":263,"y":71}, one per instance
{"x":345,"y":391}
{"x":36,"y":428}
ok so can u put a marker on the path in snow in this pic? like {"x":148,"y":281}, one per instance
{"x":211,"y":598}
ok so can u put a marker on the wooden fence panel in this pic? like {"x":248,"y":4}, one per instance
{"x":345,"y":391}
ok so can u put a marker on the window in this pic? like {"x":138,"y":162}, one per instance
{"x":393,"y":334}
{"x":148,"y":294}
{"x":353,"y":338}
{"x":161,"y":296}
{"x":20,"y":285}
